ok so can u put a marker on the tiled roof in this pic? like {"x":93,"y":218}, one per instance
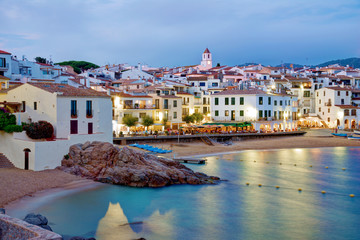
{"x":197,"y":78}
{"x":169,"y":96}
{"x":337,"y":88}
{"x":10,"y":88}
{"x":241,"y":92}
{"x":3,"y":52}
{"x":4,"y":78}
{"x":184,"y":93}
{"x":68,"y":90}
{"x":206,"y":50}
{"x":122,"y":94}
{"x":347,"y":106}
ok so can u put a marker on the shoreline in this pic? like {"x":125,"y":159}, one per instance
{"x":65,"y":183}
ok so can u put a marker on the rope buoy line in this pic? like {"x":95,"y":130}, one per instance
{"x":302,"y":190}
{"x":267,"y":162}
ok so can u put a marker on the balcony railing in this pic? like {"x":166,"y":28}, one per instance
{"x":139,"y":107}
{"x":328,"y":104}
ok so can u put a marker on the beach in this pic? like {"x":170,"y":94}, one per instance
{"x":17,"y":183}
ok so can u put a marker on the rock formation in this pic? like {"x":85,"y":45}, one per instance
{"x":38,"y":220}
{"x":104,"y":162}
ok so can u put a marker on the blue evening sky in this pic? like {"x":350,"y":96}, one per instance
{"x":176,"y":32}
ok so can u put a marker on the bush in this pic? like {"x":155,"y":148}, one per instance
{"x":6,"y":119}
{"x":39,"y":130}
{"x":66,"y":156}
{"x":13,"y":128}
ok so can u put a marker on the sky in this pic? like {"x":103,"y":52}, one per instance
{"x":175,"y":33}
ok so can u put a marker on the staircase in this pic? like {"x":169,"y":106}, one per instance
{"x":5,"y":162}
{"x":324,"y":123}
{"x":207,"y":140}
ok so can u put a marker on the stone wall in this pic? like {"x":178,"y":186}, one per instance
{"x":13,"y":228}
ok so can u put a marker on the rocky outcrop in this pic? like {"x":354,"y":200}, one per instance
{"x":38,"y":220}
{"x":104,"y":162}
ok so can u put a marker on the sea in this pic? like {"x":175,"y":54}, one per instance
{"x":311,"y":193}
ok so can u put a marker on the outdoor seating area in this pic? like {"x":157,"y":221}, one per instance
{"x":150,"y":148}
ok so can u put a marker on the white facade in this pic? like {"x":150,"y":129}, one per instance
{"x":87,"y":124}
{"x":334,"y":106}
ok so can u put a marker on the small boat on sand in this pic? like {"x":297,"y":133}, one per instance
{"x":354,"y":137}
{"x":357,"y":132}
{"x":339,"y":134}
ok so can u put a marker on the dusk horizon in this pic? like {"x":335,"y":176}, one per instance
{"x":158,"y":33}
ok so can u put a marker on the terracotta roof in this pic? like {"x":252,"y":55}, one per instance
{"x":197,"y":78}
{"x":68,"y":90}
{"x":337,"y":88}
{"x":122,"y":94}
{"x":206,"y":50}
{"x":10,"y":88}
{"x":169,"y":96}
{"x":347,"y":106}
{"x":4,"y":78}
{"x":3,"y":52}
{"x":240,"y":92}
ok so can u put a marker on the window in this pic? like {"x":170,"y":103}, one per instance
{"x":328,"y":110}
{"x":342,"y":101}
{"x":3,"y":62}
{"x":175,"y":104}
{"x":226,"y":113}
{"x":216,"y":101}
{"x":280,"y":102}
{"x":232,"y":101}
{"x":338,"y":92}
{"x":346,"y":112}
{"x":175,"y":115}
{"x":319,"y":109}
{"x":260,"y":113}
{"x":166,"y":103}
{"x":307,"y":93}
{"x":157,"y":103}
{"x":142,"y":115}
{"x":73,"y":126}
{"x":241,"y":113}
{"x":226,"y":101}
{"x":328,"y":119}
{"x":241,"y":101}
{"x":275,"y":115}
{"x":269,"y":113}
{"x":275,"y":102}
{"x":353,"y":112}
{"x":347,"y":93}
{"x":265,"y":113}
{"x":204,"y":100}
{"x":216,"y":113}
{"x":319,"y":101}
{"x":73,"y":110}
{"x":35,"y":105}
{"x":202,"y":84}
{"x":89,"y":111}
{"x":317,"y":94}
{"x":269,"y":100}
{"x":260,"y":100}
{"x":289,"y":103}
{"x":324,"y":93}
{"x":90,"y":128}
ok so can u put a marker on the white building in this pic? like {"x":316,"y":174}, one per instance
{"x":335,"y":107}
{"x":77,"y":115}
{"x":274,"y":111}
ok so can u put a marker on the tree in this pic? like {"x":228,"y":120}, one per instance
{"x":40,"y":60}
{"x":164,"y":121}
{"x":130,"y":121}
{"x":79,"y":65}
{"x":147,"y":121}
{"x":198,"y":117}
{"x":6,"y":119}
{"x":188,"y":119}
{"x":218,"y":64}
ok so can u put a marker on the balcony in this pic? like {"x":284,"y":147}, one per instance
{"x":4,"y":67}
{"x":328,"y":104}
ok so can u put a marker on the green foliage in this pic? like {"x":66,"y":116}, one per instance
{"x":147,"y":121}
{"x":198,"y":117}
{"x":79,"y":65}
{"x":188,"y":119}
{"x":164,"y":121}
{"x":40,"y":60}
{"x":218,"y":65}
{"x":352,"y":62}
{"x":66,"y":156}
{"x":6,"y":119}
{"x":39,"y":130}
{"x":130,"y":121}
{"x":13,"y":128}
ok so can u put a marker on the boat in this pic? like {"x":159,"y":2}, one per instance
{"x":357,"y":132}
{"x":354,"y":137}
{"x":339,"y":134}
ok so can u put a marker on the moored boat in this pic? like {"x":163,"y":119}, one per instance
{"x":354,"y":137}
{"x":339,"y":134}
{"x":357,"y":132}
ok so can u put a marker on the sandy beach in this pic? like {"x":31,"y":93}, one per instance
{"x":17,"y":183}
{"x":199,"y":148}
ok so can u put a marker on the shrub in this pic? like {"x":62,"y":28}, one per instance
{"x":13,"y":128}
{"x":6,"y":119}
{"x":130,"y":121}
{"x":38,"y":130}
{"x":66,"y":156}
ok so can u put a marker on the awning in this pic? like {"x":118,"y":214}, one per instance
{"x":240,"y":124}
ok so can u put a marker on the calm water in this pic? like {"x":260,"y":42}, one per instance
{"x":230,"y":210}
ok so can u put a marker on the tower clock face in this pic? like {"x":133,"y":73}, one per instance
{"x":208,"y":62}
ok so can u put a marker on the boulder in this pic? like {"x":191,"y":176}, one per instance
{"x":38,"y":220}
{"x":103,"y":162}
{"x":2,"y":211}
